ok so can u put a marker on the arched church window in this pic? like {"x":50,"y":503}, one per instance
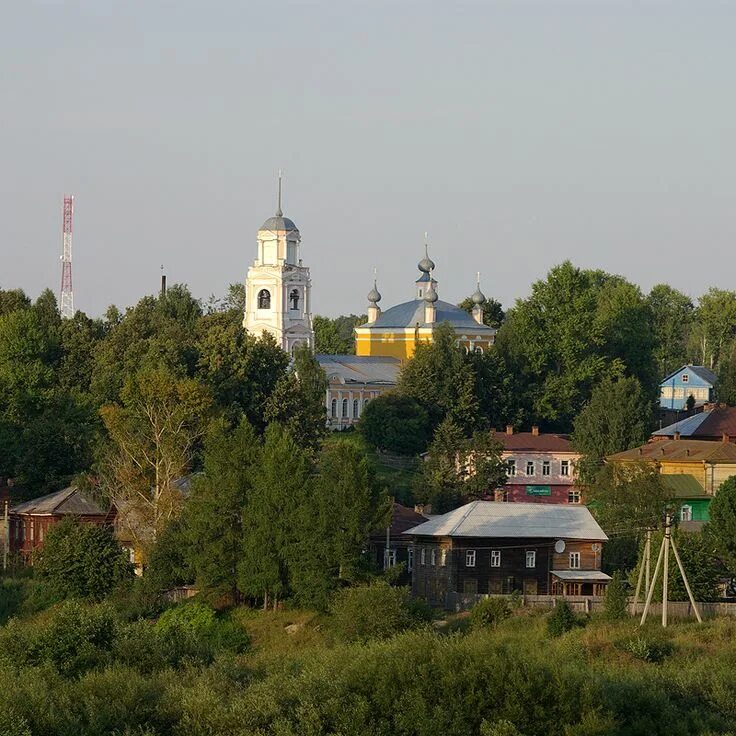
{"x":294,"y":299}
{"x":334,"y":408}
{"x":345,"y":408}
{"x":479,"y":350}
{"x":355,"y":408}
{"x":264,"y":299}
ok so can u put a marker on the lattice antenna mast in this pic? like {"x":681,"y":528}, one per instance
{"x":66,"y":300}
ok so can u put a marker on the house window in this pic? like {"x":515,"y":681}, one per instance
{"x":574,"y":560}
{"x":545,"y":467}
{"x":685,"y":378}
{"x":470,"y":558}
{"x":33,"y":530}
{"x":365,"y":403}
{"x":345,"y":408}
{"x":389,"y":558}
{"x":410,"y":559}
{"x":511,"y":467}
{"x":40,"y":532}
{"x":264,"y":299}
{"x":565,"y":467}
{"x":495,"y":558}
{"x":433,"y":557}
{"x":573,"y":496}
{"x":423,"y":556}
{"x":530,"y":467}
{"x":333,"y":408}
{"x":356,"y":408}
{"x":294,"y":299}
{"x":531,"y":558}
{"x":686,"y":513}
{"x":443,"y":557}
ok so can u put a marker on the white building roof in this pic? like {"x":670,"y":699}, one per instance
{"x":513,"y":520}
{"x":585,"y":576}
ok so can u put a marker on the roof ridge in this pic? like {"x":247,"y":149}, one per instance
{"x":471,"y":506}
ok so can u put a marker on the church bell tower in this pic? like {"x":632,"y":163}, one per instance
{"x":278,"y":287}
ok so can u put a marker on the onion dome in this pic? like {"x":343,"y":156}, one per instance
{"x":426,"y":264}
{"x":478,"y":297}
{"x":430,"y":296}
{"x":374,"y":296}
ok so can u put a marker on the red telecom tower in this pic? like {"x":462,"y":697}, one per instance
{"x":66,"y":300}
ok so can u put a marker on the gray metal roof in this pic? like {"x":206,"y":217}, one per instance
{"x":685,"y":427}
{"x":68,"y":501}
{"x":587,"y":576}
{"x":514,"y":520}
{"x":279,"y":223}
{"x":410,"y":313}
{"x":699,"y":370}
{"x":361,"y":369}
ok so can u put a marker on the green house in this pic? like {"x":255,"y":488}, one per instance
{"x":692,"y":501}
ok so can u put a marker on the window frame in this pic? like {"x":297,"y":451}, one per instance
{"x":531,"y":554}
{"x":470,"y":558}
{"x":686,"y":516}
{"x":533,"y":465}
{"x":574,"y":560}
{"x":422,"y":555}
{"x":574,"y":496}
{"x":410,"y":559}
{"x":495,"y":558}
{"x":565,"y":468}
{"x":546,"y":468}
{"x":264,"y":297}
{"x":511,"y":467}
{"x":433,"y":557}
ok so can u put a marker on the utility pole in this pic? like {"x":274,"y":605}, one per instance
{"x":644,"y":568}
{"x":667,"y":542}
{"x":6,"y":535}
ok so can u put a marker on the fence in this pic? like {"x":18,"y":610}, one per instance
{"x":684,"y":610}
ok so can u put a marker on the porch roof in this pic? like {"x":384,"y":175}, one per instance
{"x":582,"y":576}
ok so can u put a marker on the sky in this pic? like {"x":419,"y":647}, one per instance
{"x":517,"y":134}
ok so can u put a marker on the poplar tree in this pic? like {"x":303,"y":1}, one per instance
{"x":215,"y":512}
{"x":270,"y":532}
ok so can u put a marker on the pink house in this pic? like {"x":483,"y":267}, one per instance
{"x":541,"y":467}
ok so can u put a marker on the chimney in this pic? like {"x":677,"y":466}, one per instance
{"x":163,"y":284}
{"x":535,"y":430}
{"x":725,"y":437}
{"x":509,"y":429}
{"x":677,"y":435}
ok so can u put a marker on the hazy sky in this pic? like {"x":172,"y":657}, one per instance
{"x":517,"y":133}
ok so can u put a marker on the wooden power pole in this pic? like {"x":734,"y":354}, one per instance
{"x":667,"y":544}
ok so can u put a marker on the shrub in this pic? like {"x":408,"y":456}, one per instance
{"x":82,"y":561}
{"x":489,"y":612}
{"x":198,"y":622}
{"x":647,"y":649}
{"x":562,"y":619}
{"x":375,"y":611}
{"x":616,"y":603}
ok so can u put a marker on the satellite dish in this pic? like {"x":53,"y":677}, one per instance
{"x":595,"y":547}
{"x":560,"y":546}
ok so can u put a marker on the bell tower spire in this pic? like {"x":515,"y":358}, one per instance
{"x":279,"y":211}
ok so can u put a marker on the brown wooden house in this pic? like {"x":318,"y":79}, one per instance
{"x":389,"y":547}
{"x":487,"y":547}
{"x":30,"y":521}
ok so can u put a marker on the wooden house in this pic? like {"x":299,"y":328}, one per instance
{"x":30,"y":521}
{"x":389,"y":546}
{"x":486,"y":547}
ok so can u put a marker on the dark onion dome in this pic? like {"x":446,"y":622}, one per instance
{"x":479,"y":297}
{"x":374,"y":296}
{"x":426,"y":264}
{"x":279,"y":222}
{"x":430,"y":295}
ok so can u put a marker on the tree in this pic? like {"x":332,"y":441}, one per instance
{"x":715,"y":324}
{"x":577,"y":327}
{"x":298,"y":401}
{"x":617,"y":418}
{"x":215,"y":511}
{"x":82,"y":560}
{"x":12,"y":300}
{"x":153,"y":436}
{"x":441,"y":378}
{"x":335,"y":336}
{"x":240,"y":369}
{"x":616,"y":603}
{"x":628,"y":496}
{"x":493,"y":314}
{"x":721,"y":529}
{"x":278,"y":491}
{"x":672,"y":317}
{"x":396,"y":423}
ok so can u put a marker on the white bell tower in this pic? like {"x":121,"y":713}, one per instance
{"x":278,"y":288}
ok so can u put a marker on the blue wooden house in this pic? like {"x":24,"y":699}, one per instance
{"x":690,"y":380}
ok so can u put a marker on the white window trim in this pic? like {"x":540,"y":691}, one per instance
{"x":574,"y":560}
{"x":533,"y":467}
{"x":469,"y":558}
{"x":511,"y":467}
{"x":565,"y":468}
{"x":531,"y":554}
{"x":410,"y":559}
{"x":495,"y":558}
{"x":423,"y":556}
{"x":546,"y":467}
{"x":433,"y":557}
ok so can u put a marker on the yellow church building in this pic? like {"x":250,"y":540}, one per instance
{"x":396,"y":332}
